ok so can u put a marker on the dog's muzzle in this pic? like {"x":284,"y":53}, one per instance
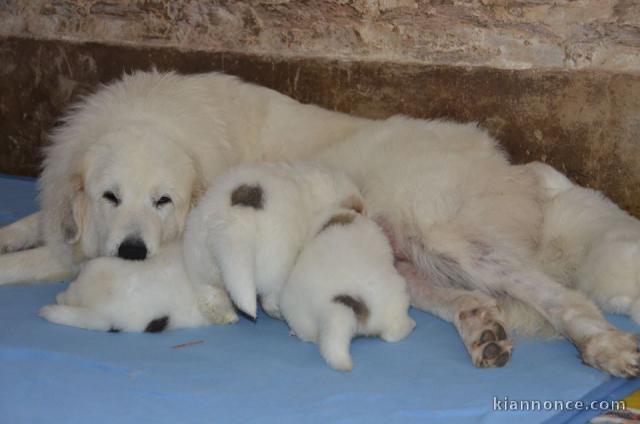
{"x":132,"y":249}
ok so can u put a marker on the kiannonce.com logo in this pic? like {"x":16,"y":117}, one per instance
{"x":506,"y":404}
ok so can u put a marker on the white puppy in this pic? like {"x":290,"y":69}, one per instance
{"x":344,"y":284}
{"x":591,"y":244}
{"x":112,"y":294}
{"x":251,"y":226}
{"x":261,"y":223}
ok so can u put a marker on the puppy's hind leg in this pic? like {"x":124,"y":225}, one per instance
{"x":476,"y":315}
{"x":335,"y":337}
{"x":75,"y":316}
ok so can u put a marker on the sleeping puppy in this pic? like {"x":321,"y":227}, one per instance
{"x":256,"y":222}
{"x":344,"y":284}
{"x":251,"y":226}
{"x":112,"y":294}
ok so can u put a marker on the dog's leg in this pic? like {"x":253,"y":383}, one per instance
{"x":22,"y":234}
{"x":33,"y":265}
{"x":569,"y":311}
{"x":335,"y":337}
{"x":476,"y":315}
{"x":75,"y":316}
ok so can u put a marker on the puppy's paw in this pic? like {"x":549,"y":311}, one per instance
{"x":485,"y":336}
{"x":612,"y":351}
{"x":215,"y":305}
{"x":395,"y":333}
{"x":223,"y":318}
{"x":76,"y":317}
{"x":62,"y":314}
{"x":270,"y":306}
{"x":342,"y":363}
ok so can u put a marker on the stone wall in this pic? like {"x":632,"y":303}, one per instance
{"x":509,"y":34}
{"x":557,"y":81}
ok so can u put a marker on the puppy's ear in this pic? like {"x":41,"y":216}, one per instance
{"x":75,"y":210}
{"x":353,"y":202}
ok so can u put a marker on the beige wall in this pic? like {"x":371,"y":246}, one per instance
{"x":516,"y":34}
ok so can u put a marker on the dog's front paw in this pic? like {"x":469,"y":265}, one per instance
{"x":612,"y":351}
{"x":484,"y":336}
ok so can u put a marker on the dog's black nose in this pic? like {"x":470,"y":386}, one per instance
{"x":132,"y":249}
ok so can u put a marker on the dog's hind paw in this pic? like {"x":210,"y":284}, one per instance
{"x":485,"y":336}
{"x":612,"y":351}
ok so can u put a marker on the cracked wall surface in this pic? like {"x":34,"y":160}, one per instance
{"x":509,"y":34}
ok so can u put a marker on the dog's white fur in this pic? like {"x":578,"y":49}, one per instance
{"x":467,"y":224}
{"x":352,"y":260}
{"x":254,"y":249}
{"x":112,"y":294}
{"x":590,"y":244}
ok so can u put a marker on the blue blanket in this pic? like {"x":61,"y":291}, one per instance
{"x":259,"y":373}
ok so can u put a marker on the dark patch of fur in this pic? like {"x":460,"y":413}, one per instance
{"x":114,"y":330}
{"x":339,"y":219}
{"x":248,"y":195}
{"x":360,"y":309}
{"x":157,"y":325}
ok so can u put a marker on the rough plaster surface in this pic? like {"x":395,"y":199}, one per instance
{"x":509,"y":34}
{"x":585,"y":123}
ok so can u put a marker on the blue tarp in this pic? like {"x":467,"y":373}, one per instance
{"x":259,"y":373}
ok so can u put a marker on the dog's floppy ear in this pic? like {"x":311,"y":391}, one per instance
{"x":74,"y":212}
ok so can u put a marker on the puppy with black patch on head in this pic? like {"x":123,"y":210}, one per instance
{"x":293,"y":236}
{"x":113,"y":294}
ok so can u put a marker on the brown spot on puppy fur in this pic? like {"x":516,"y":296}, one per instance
{"x":339,"y":219}
{"x":360,"y":309}
{"x":247,"y":195}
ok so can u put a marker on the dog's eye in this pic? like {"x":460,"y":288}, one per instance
{"x":108,"y":195}
{"x":163,"y":201}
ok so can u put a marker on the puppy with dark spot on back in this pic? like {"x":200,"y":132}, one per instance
{"x":307,"y":253}
{"x":250,"y":226}
{"x":344,"y":284}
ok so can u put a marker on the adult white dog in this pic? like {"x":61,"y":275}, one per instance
{"x":467,"y":226}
